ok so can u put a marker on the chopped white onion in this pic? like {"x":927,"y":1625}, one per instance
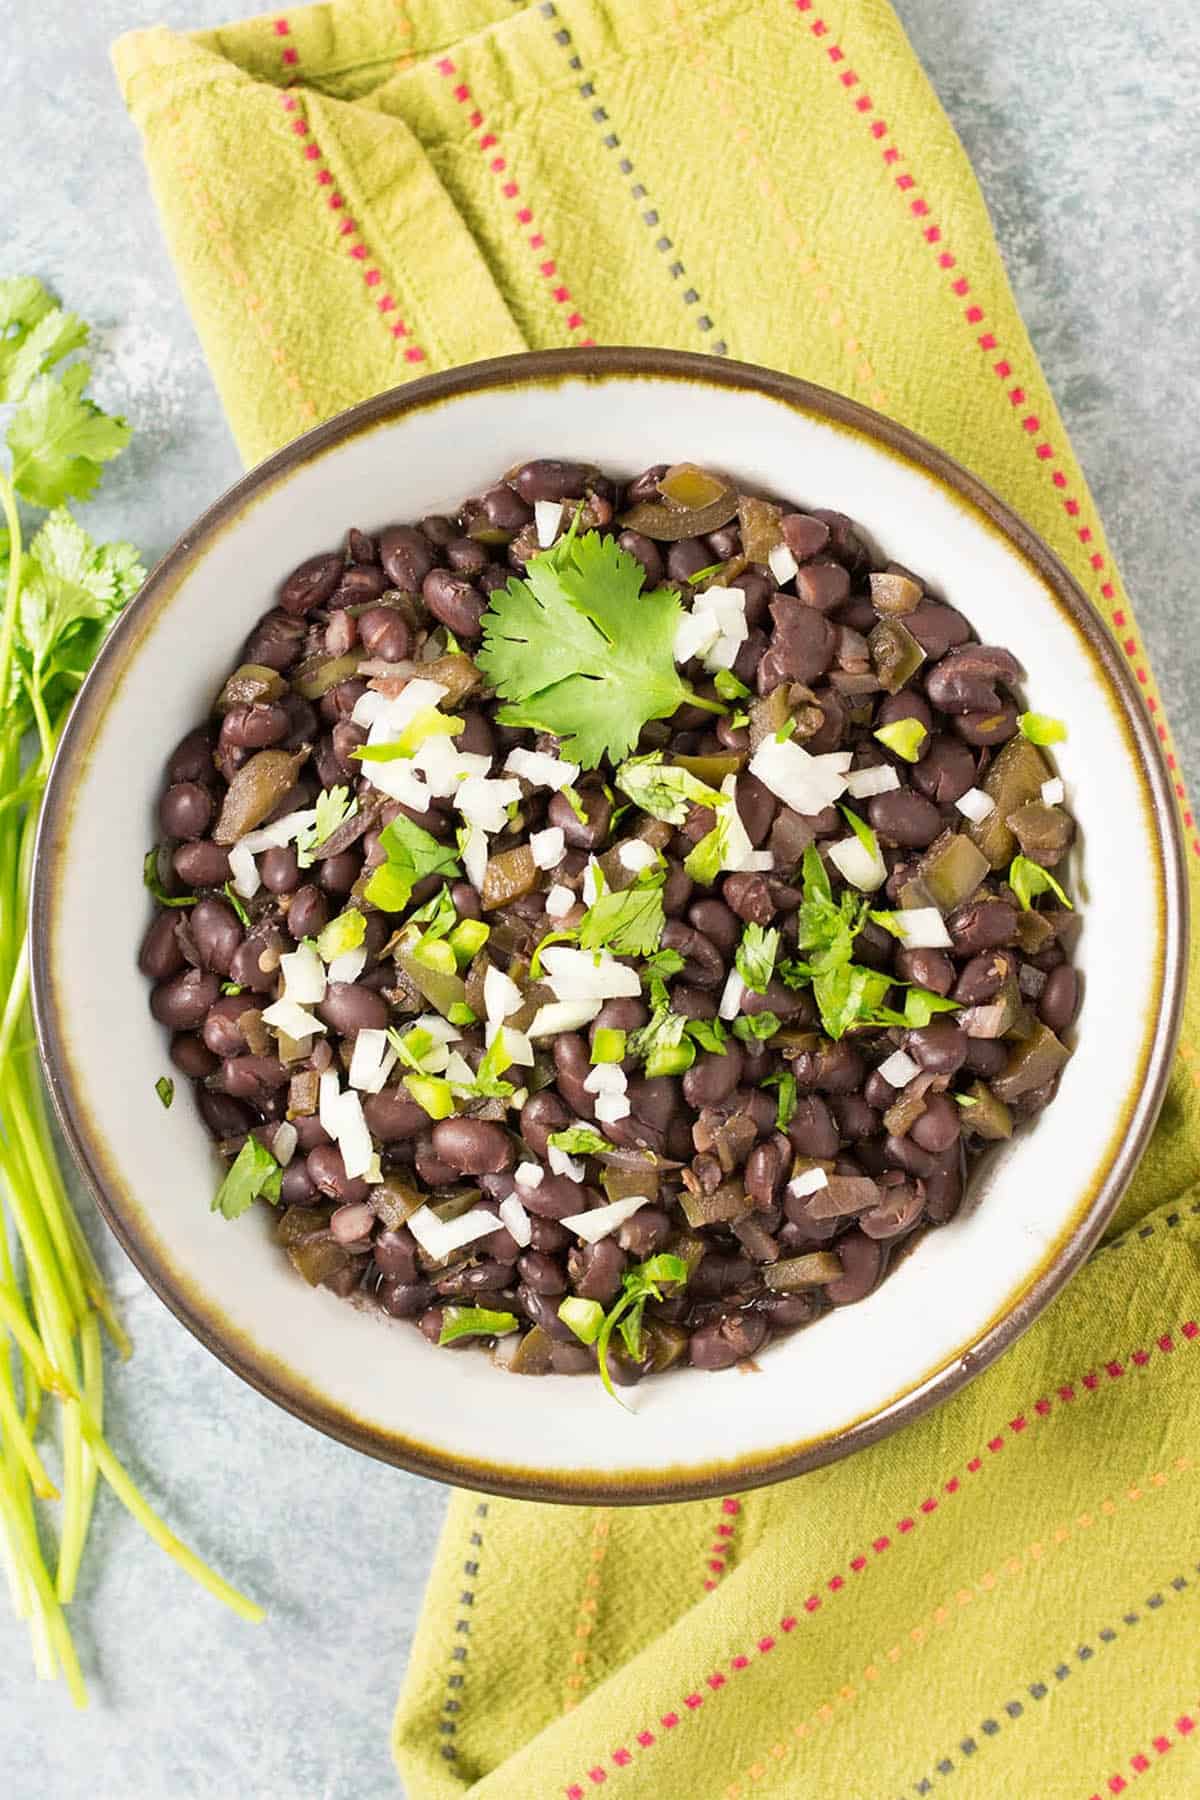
{"x":501,"y":995}
{"x":547,"y":517}
{"x":440,"y":1238}
{"x":377,"y":710}
{"x":582,"y":975}
{"x":439,"y":1028}
{"x":349,"y":965}
{"x":548,"y":847}
{"x":696,"y":633}
{"x":485,"y":802}
{"x":516,"y":1221}
{"x":559,"y":901}
{"x":1053,"y":792}
{"x":303,"y":976}
{"x":855,"y":863}
{"x":540,"y":769}
{"x":563,"y":1163}
{"x":329,"y":1097}
{"x":458,"y":1070}
{"x":636,"y":854}
{"x":367,"y":1060}
{"x":518,"y":1047}
{"x":275,"y":836}
{"x":922,"y":928}
{"x":862,"y":783}
{"x":529,"y":1175}
{"x":602,"y":1221}
{"x":563,"y":1015}
{"x":975,"y":805}
{"x":731,"y":995}
{"x":606,"y":1078}
{"x":611,"y":1107}
{"x":592,"y":885}
{"x":782,"y":564}
{"x":244,"y":871}
{"x":756,"y":861}
{"x":808,"y":784}
{"x":399,"y":781}
{"x":294,"y":1021}
{"x":899,"y":1069}
{"x":353,"y":1136}
{"x":475,"y":856}
{"x":283,"y":1144}
{"x":811,"y":1181}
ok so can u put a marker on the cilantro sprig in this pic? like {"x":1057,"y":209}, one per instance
{"x":412,"y":853}
{"x":638,"y":1285}
{"x":254,"y":1174}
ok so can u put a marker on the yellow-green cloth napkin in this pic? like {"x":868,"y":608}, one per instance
{"x":1003,"y":1599}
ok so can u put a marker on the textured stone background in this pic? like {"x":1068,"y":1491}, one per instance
{"x":1079,"y":119}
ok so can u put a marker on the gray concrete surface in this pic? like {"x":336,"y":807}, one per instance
{"x":1080,"y":123}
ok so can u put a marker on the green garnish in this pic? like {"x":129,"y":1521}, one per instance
{"x":846,"y":995}
{"x":412,"y":853}
{"x":786,"y":730}
{"x":662,"y":789}
{"x":585,"y":1317}
{"x":755,"y":958}
{"x":756,"y":1027}
{"x":468,"y":938}
{"x":412,"y":1046}
{"x":1028,"y":879}
{"x":164,"y":1087}
{"x":432,"y":1094}
{"x":671,"y":1059}
{"x":551,"y":937}
{"x":785,"y":1081}
{"x":662,"y":1032}
{"x":574,"y":802}
{"x":966,"y":1100}
{"x":608,"y":1045}
{"x":231,"y":987}
{"x":344,"y":933}
{"x":628,"y":923}
{"x":254,"y":1174}
{"x":904,"y":737}
{"x":709,"y":1034}
{"x":461,"y":1014}
{"x":862,"y":832}
{"x":579,"y":1140}
{"x":151,"y":878}
{"x":333,"y":807}
{"x":576,"y":648}
{"x":474,"y":1321}
{"x":235,"y":900}
{"x":920,"y":1004}
{"x":728,"y":685}
{"x":496,"y":1060}
{"x":738,"y":719}
{"x":704,"y":574}
{"x":639,"y":1284}
{"x":710,"y":855}
{"x":1040,"y":728}
{"x":438,"y":915}
{"x":429,"y":722}
{"x":662,"y":965}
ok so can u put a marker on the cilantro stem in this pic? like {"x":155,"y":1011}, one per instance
{"x":712,"y":706}
{"x":8,"y":628}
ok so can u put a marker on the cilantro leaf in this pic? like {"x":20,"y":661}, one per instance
{"x":333,"y":807}
{"x":59,"y":440}
{"x":756,"y":1027}
{"x":69,"y":584}
{"x":1028,"y":879}
{"x":755,"y":958}
{"x":342,"y":934}
{"x":920,"y":1004}
{"x":638,"y":1285}
{"x":709,"y":1034}
{"x":164,"y":1087}
{"x":411,"y":855}
{"x":629,"y":923}
{"x":579,"y":1140}
{"x":576,"y":648}
{"x":235,"y":900}
{"x":254,"y":1174}
{"x":663,"y":1031}
{"x":663,"y":964}
{"x":152,"y":880}
{"x":36,"y":347}
{"x":785,"y":1081}
{"x":661,"y":789}
{"x":474,"y":1321}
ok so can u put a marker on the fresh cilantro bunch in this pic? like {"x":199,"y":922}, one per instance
{"x":576,"y":648}
{"x":60,"y":593}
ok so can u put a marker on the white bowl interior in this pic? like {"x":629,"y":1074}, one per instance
{"x":957,"y":1281}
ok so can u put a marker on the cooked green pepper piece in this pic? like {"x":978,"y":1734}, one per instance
{"x":250,"y":683}
{"x":1035,"y":931}
{"x":452,"y":1203}
{"x":694,"y":502}
{"x":509,"y":876}
{"x":989,"y":1117}
{"x":318,"y":674}
{"x":1014,"y":778}
{"x":1031,"y":1063}
{"x":1043,"y":832}
{"x":608,"y":1045}
{"x":671,"y":1059}
{"x":759,"y":521}
{"x":664,"y":1344}
{"x":532,"y":1354}
{"x":317,"y":1259}
{"x":457,"y":673}
{"x":622,"y":1184}
{"x":893,"y":595}
{"x":947,"y":875}
{"x":686,"y":484}
{"x":712,"y":770}
{"x":431,"y":1093}
{"x":256,"y":790}
{"x":769,"y":715}
{"x":790,"y":1041}
{"x":729,"y":1201}
{"x":690,"y":1250}
{"x":431,"y":968}
{"x":395,"y":1200}
{"x":468,"y":937}
{"x":895,"y":654}
{"x":301,"y":1222}
{"x":817,"y":1269}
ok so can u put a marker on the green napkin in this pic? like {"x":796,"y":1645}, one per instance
{"x":1001,"y":1599}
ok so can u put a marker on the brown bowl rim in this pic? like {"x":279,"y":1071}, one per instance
{"x":694,"y":1482}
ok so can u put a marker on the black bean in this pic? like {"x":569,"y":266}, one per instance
{"x":715,"y":920}
{"x":279,"y":869}
{"x":686,"y":557}
{"x":946,"y":772}
{"x":349,"y":1008}
{"x":711,"y":1079}
{"x":936,"y":628}
{"x":939,"y":1047}
{"x":182,"y":1001}
{"x":191,"y":1056}
{"x":677,"y":890}
{"x":216,"y":933}
{"x":542,"y":1113}
{"x":596,"y":1270}
{"x":586,"y":833}
{"x":473,"y":1146}
{"x":185,"y":810}
{"x":749,"y":897}
{"x":385,"y":634}
{"x":201,"y":863}
{"x":225,"y":1117}
{"x":895,"y":708}
{"x":311,"y":583}
{"x":862,"y":1265}
{"x":903,"y":1153}
{"x":339,"y":873}
{"x":160,"y":955}
{"x":987,"y":728}
{"x":855,"y":1118}
{"x":647,"y":553}
{"x":364,"y":582}
{"x":982,"y":925}
{"x":930,"y":969}
{"x":261,"y":946}
{"x":823,"y":585}
{"x":545,"y":479}
{"x":395,"y":1254}
{"x":647,"y":1231}
{"x":308,"y":914}
{"x":275,"y":642}
{"x":802,"y":644}
{"x":221,"y":1032}
{"x":938,"y":1126}
{"x":541,"y":1274}
{"x":1059,"y":999}
{"x":804,"y":536}
{"x":767,"y":1168}
{"x":327,"y":1172}
{"x":904,"y":818}
{"x":296,"y":1186}
{"x":985,"y":1056}
{"x":251,"y":1078}
{"x":812,"y":1130}
{"x":405,"y":1299}
{"x":192,"y":757}
{"x":466,"y":557}
{"x":556,"y":1197}
{"x":708,"y":1349}
{"x":254,"y":727}
{"x":407,"y":557}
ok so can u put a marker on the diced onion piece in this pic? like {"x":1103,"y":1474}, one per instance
{"x":563,"y":1163}
{"x":731,"y":995}
{"x":529,"y":1175}
{"x":349,"y":965}
{"x":353,"y":1136}
{"x":475,"y":857}
{"x":516,"y":1221}
{"x":244,"y":871}
{"x":559,"y":901}
{"x":399,"y":781}
{"x":366,"y":1061}
{"x":810,"y":1181}
{"x":1053,"y":794}
{"x":922,"y":928}
{"x":606,"y":1078}
{"x":540,"y":769}
{"x":580,"y":975}
{"x":518,"y":1046}
{"x":458,"y":1070}
{"x":602,"y":1221}
{"x":440,"y":1238}
{"x":756,"y":861}
{"x":547,"y":517}
{"x":485,"y":802}
{"x":283,"y":1144}
{"x":636,"y":854}
{"x":281,"y":832}
{"x":855,"y":863}
{"x":548,"y":847}
{"x":899,"y":1069}
{"x":501,"y":995}
{"x":329,"y":1101}
{"x":292,"y":1020}
{"x":563,"y":1015}
{"x":592,"y":885}
{"x":975,"y":805}
{"x":438,"y":1028}
{"x":695,"y":634}
{"x":303,"y":976}
{"x":782,"y":564}
{"x":611,"y":1107}
{"x":862,"y":783}
{"x":386,"y":722}
{"x":369,"y":707}
{"x":808,"y":784}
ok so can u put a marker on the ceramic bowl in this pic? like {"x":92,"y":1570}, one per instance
{"x":961,"y":1296}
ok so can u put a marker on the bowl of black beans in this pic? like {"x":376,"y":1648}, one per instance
{"x":629,"y":869}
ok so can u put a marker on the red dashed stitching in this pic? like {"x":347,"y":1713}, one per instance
{"x":510,"y":189}
{"x":719,"y":1552}
{"x":1017,"y":1427}
{"x":1185,"y":1724}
